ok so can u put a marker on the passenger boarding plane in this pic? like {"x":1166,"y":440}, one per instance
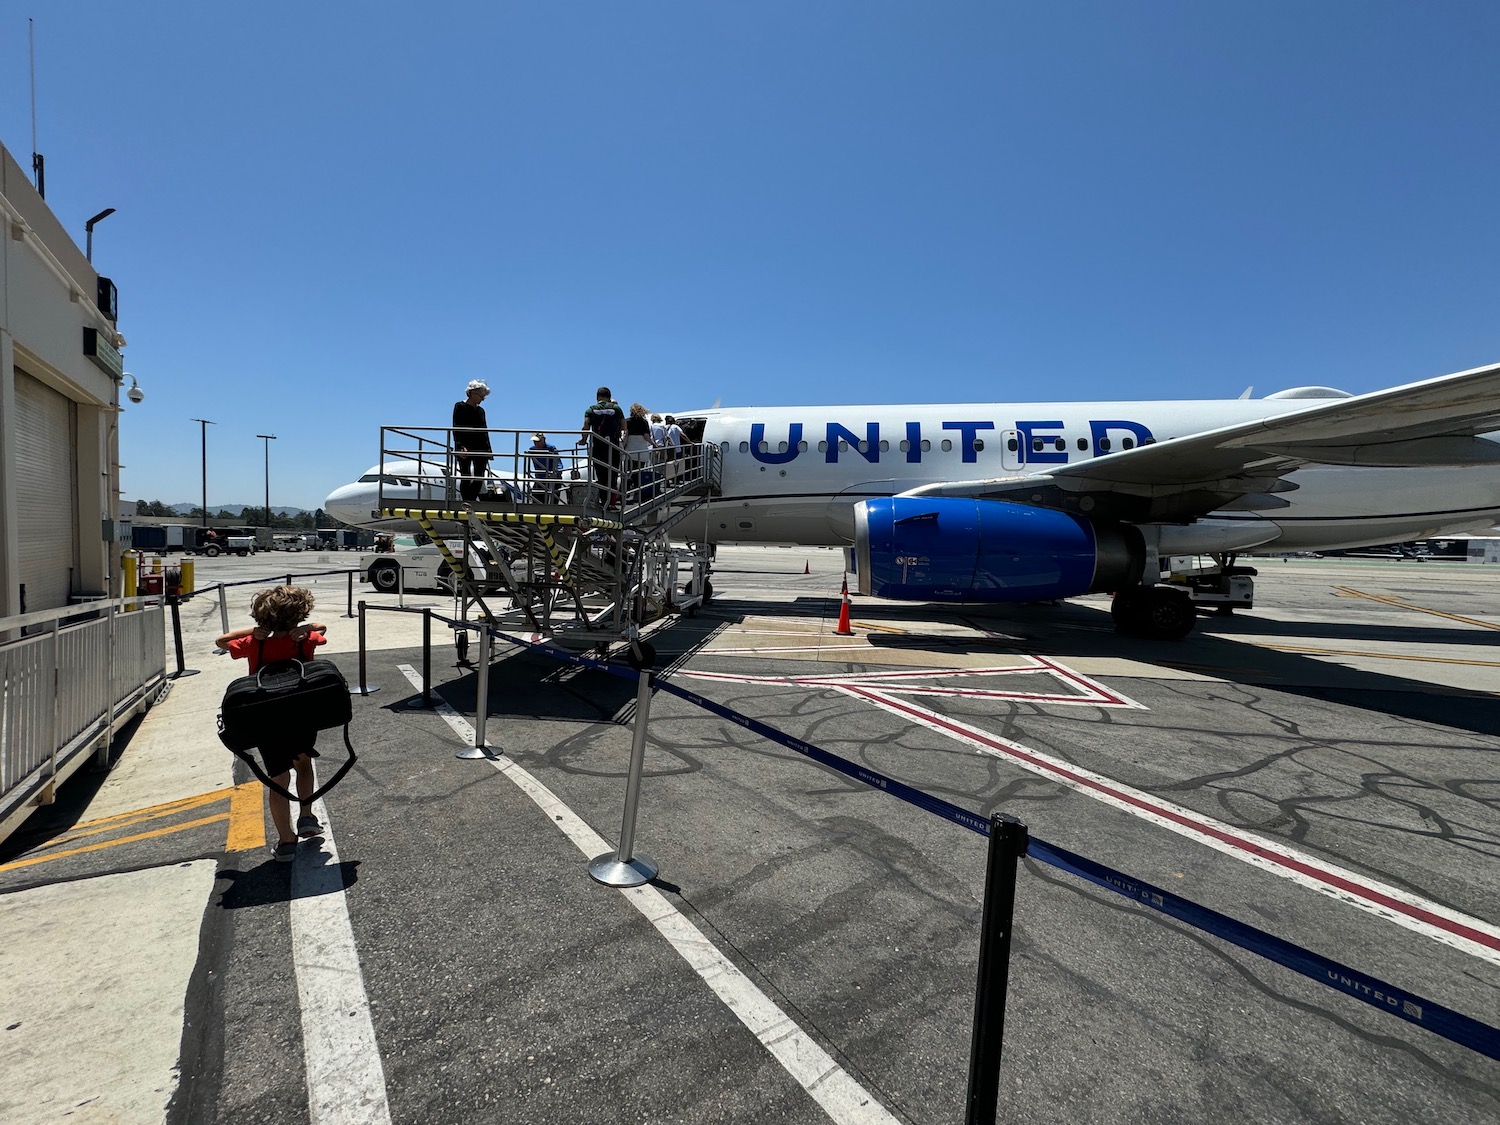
{"x":999,"y":502}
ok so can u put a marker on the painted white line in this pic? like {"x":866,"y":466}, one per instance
{"x":1440,"y":923}
{"x":345,"y":1077}
{"x":842,"y":1098}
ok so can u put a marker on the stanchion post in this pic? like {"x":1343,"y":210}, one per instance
{"x":481,"y":699}
{"x":177,"y":639}
{"x":223,"y":609}
{"x":425,"y":703}
{"x":363,"y":688}
{"x":351,"y":595}
{"x":426,"y":657}
{"x":1008,"y":839}
{"x":624,"y":868}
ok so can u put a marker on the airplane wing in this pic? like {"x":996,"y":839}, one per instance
{"x":1433,"y":422}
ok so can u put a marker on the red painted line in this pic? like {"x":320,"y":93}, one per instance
{"x":1312,"y":871}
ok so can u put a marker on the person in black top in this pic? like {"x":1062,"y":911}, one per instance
{"x":603,"y":424}
{"x":471,"y":441}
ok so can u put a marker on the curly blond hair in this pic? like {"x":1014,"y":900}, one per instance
{"x":281,"y":608}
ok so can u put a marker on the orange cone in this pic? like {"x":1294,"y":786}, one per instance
{"x":843,"y":630}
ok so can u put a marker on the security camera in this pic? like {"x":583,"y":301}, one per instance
{"x":135,"y":394}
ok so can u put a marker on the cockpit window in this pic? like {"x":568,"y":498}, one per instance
{"x":369,"y":478}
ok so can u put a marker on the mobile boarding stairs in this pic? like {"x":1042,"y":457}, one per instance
{"x":576,"y":550}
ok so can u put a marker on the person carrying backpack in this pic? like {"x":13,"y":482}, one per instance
{"x":282,"y":632}
{"x":603,"y":425}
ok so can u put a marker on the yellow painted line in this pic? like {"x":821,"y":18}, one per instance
{"x":1399,"y":603}
{"x":878,"y":628}
{"x":1385,"y":655}
{"x":33,"y":860}
{"x":182,"y":804}
{"x":247,"y":824}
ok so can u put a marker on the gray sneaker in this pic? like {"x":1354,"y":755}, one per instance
{"x":285,"y":853}
{"x":307,"y":825}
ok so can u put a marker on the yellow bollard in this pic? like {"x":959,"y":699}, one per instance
{"x":187,"y":576}
{"x":128,"y":569}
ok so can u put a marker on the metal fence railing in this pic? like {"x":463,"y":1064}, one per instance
{"x":68,"y":677}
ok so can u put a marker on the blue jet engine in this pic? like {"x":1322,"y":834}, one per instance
{"x":946,"y":549}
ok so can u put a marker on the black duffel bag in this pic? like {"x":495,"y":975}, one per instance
{"x":282,"y":697}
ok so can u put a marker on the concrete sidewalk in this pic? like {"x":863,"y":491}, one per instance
{"x":94,"y":971}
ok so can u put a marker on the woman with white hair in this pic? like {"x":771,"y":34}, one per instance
{"x":471,"y":441}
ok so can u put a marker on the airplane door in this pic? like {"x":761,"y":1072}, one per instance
{"x":1012,"y":449}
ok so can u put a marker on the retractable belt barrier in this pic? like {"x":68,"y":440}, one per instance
{"x":1409,"y":1006}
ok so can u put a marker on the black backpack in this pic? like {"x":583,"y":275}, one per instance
{"x":285,"y":695}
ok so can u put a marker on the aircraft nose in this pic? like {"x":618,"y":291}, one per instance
{"x":348,"y":504}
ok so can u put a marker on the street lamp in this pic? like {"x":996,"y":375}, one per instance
{"x":88,"y":229}
{"x":205,"y":423}
{"x":269,"y":439}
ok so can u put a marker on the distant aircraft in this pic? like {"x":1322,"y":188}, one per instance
{"x":1001,"y":502}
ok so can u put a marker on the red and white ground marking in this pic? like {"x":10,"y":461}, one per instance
{"x":1433,"y":920}
{"x":1088,"y":692}
{"x":885,"y":689}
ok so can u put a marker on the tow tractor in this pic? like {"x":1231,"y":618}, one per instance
{"x":1214,"y":581}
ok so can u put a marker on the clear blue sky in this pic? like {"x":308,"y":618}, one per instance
{"x":333,"y":215}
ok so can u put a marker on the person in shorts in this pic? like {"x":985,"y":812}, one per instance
{"x":282,"y":632}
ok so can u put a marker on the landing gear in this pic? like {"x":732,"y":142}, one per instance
{"x":1153,"y":611}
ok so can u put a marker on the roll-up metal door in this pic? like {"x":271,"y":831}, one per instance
{"x":46,"y":492}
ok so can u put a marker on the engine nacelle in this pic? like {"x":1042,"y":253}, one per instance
{"x":945,"y":549}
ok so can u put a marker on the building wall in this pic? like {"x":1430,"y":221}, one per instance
{"x":47,"y":298}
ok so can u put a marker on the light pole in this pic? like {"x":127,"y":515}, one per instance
{"x":88,"y":229}
{"x":205,"y":423}
{"x":269,"y":439}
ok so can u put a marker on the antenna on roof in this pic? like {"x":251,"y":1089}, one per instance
{"x":38,"y":163}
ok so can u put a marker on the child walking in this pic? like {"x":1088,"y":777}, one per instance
{"x":282,"y":632}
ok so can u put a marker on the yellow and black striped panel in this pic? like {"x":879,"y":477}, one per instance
{"x":426,"y":516}
{"x":453,"y":563}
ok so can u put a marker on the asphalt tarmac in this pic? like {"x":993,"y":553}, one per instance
{"x":1325,"y":767}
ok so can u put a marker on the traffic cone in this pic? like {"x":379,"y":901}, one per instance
{"x":843,"y":630}
{"x":807,"y":567}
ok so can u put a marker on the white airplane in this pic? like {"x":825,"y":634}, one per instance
{"x":1001,"y":502}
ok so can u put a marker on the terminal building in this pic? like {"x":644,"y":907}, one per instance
{"x":61,"y":370}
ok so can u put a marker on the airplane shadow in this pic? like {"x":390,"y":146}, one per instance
{"x":1075,"y":629}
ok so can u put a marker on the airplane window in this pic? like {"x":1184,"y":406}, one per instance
{"x":843,"y":445}
{"x":1148,"y":441}
{"x":947,"y":445}
{"x":1011,"y":444}
{"x":822,"y":447}
{"x":781,"y":448}
{"x":1036,"y":445}
{"x":369,"y":478}
{"x":744,"y":447}
{"x":724,"y":448}
{"x":802,"y":446}
{"x":764,"y":447}
{"x":1128,"y":443}
{"x":978,"y":445}
{"x":1104,"y":444}
{"x":1060,"y":445}
{"x":926,"y":446}
{"x":864,"y":447}
{"x":1083,"y":444}
{"x":885,"y":447}
{"x":904,"y":446}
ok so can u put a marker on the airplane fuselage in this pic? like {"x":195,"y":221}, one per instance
{"x":794,"y":474}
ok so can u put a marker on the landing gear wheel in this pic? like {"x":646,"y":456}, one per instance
{"x":1170,"y":614}
{"x":385,"y":577}
{"x":646,"y":659}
